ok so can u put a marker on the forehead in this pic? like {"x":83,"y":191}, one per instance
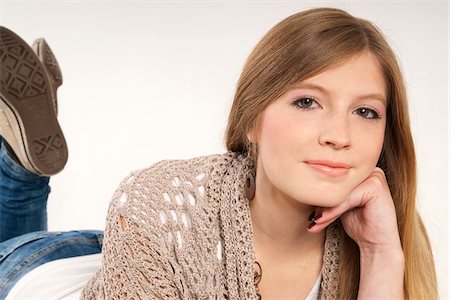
{"x":359,"y":74}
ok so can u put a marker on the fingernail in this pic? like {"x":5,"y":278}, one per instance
{"x":311,"y":216}
{"x":318,"y":217}
{"x":311,"y":225}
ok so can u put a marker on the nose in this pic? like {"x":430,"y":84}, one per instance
{"x":335,"y":133}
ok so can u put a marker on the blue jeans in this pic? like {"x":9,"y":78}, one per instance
{"x":24,"y":242}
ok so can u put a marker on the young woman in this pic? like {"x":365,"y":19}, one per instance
{"x":315,"y":197}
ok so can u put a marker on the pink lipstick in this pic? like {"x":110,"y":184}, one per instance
{"x":328,"y":167}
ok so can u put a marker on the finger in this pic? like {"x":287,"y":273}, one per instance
{"x":317,"y":226}
{"x":326,"y":216}
{"x":379,"y":173}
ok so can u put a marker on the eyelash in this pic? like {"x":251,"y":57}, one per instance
{"x":297,"y":101}
{"x":376,"y":115}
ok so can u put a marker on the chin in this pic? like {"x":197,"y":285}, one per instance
{"x":321,"y":198}
{"x":328,"y":202}
{"x":322,"y":193}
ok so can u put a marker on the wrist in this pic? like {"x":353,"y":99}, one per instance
{"x":375,"y":261}
{"x":394,"y":254}
{"x":382,"y":273}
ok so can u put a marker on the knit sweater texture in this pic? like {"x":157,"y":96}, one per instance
{"x":181,"y":229}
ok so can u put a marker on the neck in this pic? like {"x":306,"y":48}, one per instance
{"x":280,"y":223}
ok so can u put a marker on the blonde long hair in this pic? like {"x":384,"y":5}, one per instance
{"x":301,"y":46}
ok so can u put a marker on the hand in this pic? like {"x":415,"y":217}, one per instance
{"x":367,"y":215}
{"x":369,"y":218}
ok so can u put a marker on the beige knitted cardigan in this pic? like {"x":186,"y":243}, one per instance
{"x":181,"y":229}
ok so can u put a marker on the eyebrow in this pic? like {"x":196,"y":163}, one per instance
{"x":312,"y":86}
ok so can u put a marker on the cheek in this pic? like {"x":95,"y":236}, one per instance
{"x":368,"y":148}
{"x":369,"y":144}
{"x":283,"y":133}
{"x":273,"y":134}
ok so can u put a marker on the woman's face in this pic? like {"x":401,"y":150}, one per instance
{"x":319,"y":140}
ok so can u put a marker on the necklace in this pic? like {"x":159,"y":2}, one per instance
{"x":257,"y":278}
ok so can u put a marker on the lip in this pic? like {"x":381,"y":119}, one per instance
{"x":328,"y":167}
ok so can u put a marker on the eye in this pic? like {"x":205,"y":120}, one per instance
{"x":367,"y":113}
{"x":306,"y":103}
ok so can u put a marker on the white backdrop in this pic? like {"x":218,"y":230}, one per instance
{"x":145,"y":81}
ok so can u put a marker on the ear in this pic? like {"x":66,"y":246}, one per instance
{"x":252,"y":134}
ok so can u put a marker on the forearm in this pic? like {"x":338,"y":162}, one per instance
{"x":381,"y":275}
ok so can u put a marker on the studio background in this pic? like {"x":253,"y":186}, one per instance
{"x":146,"y":81}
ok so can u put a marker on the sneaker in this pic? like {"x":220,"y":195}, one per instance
{"x":48,"y":59}
{"x":28,"y":109}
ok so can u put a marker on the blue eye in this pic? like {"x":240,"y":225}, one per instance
{"x":367,"y":113}
{"x":305,"y":103}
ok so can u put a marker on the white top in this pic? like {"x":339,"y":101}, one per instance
{"x":314,"y":294}
{"x":60,"y":279}
{"x":63,"y":279}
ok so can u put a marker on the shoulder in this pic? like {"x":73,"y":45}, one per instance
{"x":176,"y":173}
{"x":165,"y":192}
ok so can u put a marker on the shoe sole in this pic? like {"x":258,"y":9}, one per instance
{"x":48,"y":60}
{"x":27,"y":101}
{"x":43,"y":51}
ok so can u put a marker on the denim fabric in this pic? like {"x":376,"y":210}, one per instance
{"x":24,"y":242}
{"x":23,"y":199}
{"x":26,"y":252}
